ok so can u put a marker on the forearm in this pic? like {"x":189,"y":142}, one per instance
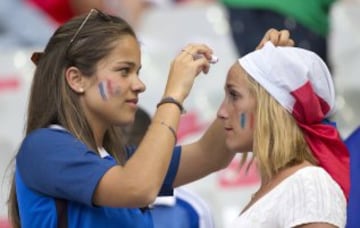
{"x":207,"y":155}
{"x":213,"y":145}
{"x":154,"y":152}
{"x":137,"y":183}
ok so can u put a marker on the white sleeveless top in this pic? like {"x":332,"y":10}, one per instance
{"x":309,"y":195}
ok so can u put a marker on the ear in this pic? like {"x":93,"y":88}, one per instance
{"x":75,"y":79}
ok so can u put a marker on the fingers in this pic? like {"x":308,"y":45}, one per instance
{"x":204,"y":65}
{"x":201,"y":55}
{"x":198,"y":51}
{"x":278,"y":38}
{"x":190,"y":62}
{"x":269,"y":36}
{"x":290,"y":43}
{"x":284,"y":39}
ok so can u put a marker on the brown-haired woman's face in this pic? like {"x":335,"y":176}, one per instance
{"x":237,"y":111}
{"x":112,"y":96}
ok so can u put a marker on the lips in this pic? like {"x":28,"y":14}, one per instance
{"x":228,"y":128}
{"x":133,"y":101}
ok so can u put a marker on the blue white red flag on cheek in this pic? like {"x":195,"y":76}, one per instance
{"x":107,"y":89}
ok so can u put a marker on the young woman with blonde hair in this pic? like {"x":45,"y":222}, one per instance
{"x":276,"y":105}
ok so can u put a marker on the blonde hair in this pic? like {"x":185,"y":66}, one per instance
{"x":278,"y":141}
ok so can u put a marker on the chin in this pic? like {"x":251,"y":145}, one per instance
{"x":124,"y":122}
{"x":233,"y":146}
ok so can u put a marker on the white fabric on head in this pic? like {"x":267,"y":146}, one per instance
{"x":282,"y":70}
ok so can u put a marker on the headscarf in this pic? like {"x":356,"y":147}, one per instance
{"x":301,"y":82}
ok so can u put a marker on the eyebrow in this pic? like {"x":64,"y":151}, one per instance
{"x":131,"y":64}
{"x":229,"y":86}
{"x":126,"y":62}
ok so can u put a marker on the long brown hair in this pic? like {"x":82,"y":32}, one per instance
{"x":52,"y":101}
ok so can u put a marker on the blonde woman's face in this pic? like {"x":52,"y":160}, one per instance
{"x":237,"y":111}
{"x":113,"y":95}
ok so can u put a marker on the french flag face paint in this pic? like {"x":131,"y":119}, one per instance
{"x":108,"y":89}
{"x":246,"y":119}
{"x":251,"y":120}
{"x":242,"y":120}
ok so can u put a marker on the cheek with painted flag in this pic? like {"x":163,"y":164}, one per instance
{"x":108,"y":89}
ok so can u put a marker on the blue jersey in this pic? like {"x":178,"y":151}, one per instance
{"x":52,"y":164}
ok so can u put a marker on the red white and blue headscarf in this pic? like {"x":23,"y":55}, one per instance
{"x":301,"y":82}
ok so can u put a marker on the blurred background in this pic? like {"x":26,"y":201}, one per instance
{"x":231,"y":28}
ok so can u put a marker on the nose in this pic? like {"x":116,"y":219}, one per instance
{"x":222,"y":112}
{"x":139,"y":86}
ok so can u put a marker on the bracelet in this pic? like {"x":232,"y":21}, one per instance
{"x":171,"y":100}
{"x":170,"y":128}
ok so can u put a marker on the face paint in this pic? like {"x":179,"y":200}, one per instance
{"x":113,"y":88}
{"x":103,"y":90}
{"x":107,"y":89}
{"x":242,"y":120}
{"x":251,"y":120}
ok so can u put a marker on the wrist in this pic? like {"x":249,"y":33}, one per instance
{"x":171,"y":100}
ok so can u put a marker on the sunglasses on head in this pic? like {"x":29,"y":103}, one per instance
{"x":91,"y":12}
{"x":35,"y":57}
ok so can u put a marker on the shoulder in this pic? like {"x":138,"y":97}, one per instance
{"x":316,"y":181}
{"x":314,"y":197}
{"x":46,"y":144}
{"x":46,"y":137}
{"x":56,"y":134}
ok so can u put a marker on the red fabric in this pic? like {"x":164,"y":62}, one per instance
{"x":323,"y":139}
{"x":59,"y":10}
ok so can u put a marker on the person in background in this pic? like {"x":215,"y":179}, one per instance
{"x":186,"y":209}
{"x":277,"y":101}
{"x":307,"y":21}
{"x":22,"y":25}
{"x":60,"y":11}
{"x":353,"y":144}
{"x":72,"y":168}
{"x":137,"y":130}
{"x":30,"y":23}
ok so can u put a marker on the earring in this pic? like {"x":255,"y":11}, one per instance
{"x":81,"y":90}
